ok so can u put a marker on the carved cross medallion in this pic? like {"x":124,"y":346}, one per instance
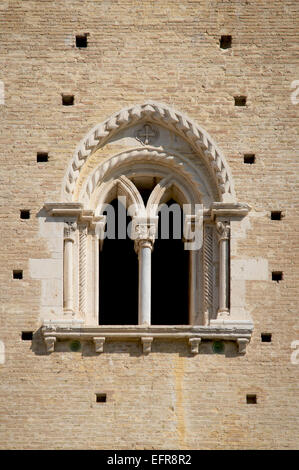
{"x":146,"y":134}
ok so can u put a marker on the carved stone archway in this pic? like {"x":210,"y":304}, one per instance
{"x":201,"y":177}
{"x":164,"y":115}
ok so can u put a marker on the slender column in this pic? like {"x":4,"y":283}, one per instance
{"x":223,"y":230}
{"x":144,"y":240}
{"x":144,"y":290}
{"x":69,"y":229}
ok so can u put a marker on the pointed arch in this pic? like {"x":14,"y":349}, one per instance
{"x":118,"y":164}
{"x":164,"y":115}
{"x":121,"y":186}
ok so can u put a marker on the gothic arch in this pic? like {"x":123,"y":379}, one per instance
{"x":162,"y":114}
{"x":183,"y":175}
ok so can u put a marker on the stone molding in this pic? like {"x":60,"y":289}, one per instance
{"x":184,"y":168}
{"x":240,"y":332}
{"x":155,"y":112}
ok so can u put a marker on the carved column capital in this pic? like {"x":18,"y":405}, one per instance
{"x":70,"y":228}
{"x":144,"y":235}
{"x":223,"y":230}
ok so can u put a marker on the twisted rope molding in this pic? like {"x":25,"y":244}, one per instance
{"x":143,"y":155}
{"x":161,"y":113}
{"x":83,"y":269}
{"x":208,"y":271}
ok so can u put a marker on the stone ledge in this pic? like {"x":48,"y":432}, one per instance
{"x":62,"y":330}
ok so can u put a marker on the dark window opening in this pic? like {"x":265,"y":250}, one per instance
{"x":42,"y":157}
{"x":276,"y":215}
{"x":249,"y":158}
{"x":118,"y":271}
{"x":225,"y":42}
{"x":101,"y":397}
{"x":266,"y":337}
{"x":251,"y":399}
{"x":24,"y":214}
{"x":27,"y":335}
{"x":17,"y":274}
{"x":277,"y":276}
{"x":170,"y":271}
{"x":145,"y":194}
{"x":81,"y":41}
{"x":68,"y":100}
{"x":240,"y":100}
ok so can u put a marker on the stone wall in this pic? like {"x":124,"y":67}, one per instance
{"x":167,"y":51}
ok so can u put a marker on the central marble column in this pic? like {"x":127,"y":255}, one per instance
{"x":144,"y":289}
{"x":144,"y":240}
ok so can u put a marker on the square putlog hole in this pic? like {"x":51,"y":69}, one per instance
{"x":101,"y":397}
{"x":249,"y":158}
{"x":24,"y":214}
{"x":276,"y":215}
{"x":240,"y":100}
{"x":27,"y":335}
{"x":42,"y":157}
{"x":277,"y":276}
{"x":68,"y":100}
{"x":251,"y":399}
{"x":225,"y":42}
{"x":81,"y":41}
{"x":266,"y":337}
{"x":17,"y":274}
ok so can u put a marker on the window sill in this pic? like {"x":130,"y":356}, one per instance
{"x":228,"y":330}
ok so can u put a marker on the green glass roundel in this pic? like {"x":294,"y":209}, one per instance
{"x":218,"y":347}
{"x":75,"y":346}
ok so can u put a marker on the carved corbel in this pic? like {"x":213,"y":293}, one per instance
{"x":99,"y":344}
{"x":147,"y":344}
{"x":242,"y":343}
{"x":194,"y":345}
{"x":50,"y":343}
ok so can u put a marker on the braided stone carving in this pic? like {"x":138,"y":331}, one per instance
{"x":208,"y":271}
{"x":155,"y":112}
{"x":82,"y":269}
